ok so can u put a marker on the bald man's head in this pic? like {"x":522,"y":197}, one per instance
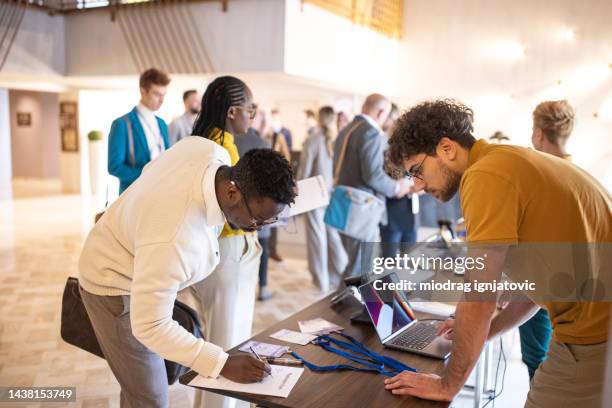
{"x":377,"y":107}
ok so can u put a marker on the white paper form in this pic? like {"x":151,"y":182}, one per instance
{"x":279,"y":384}
{"x":312,"y":193}
{"x":291,"y":336}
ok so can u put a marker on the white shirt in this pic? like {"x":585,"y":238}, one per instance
{"x":151,"y":130}
{"x":160,"y":236}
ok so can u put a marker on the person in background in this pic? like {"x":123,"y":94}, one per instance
{"x":514,"y":197}
{"x":362,"y":167}
{"x":277,"y":126}
{"x":326,"y":256}
{"x":401,"y":226}
{"x":279,"y":144}
{"x":183,"y":125}
{"x":227,"y":295}
{"x":310,"y":121}
{"x":139,"y":136}
{"x":553,"y":122}
{"x":342,"y":120}
{"x":253,"y":140}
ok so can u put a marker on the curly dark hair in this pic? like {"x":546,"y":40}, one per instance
{"x":420,"y":129}
{"x":265,"y":173}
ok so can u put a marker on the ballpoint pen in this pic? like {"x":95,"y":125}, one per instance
{"x":285,"y":361}
{"x":262,"y":360}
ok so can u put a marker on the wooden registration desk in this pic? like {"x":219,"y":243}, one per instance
{"x":339,"y":389}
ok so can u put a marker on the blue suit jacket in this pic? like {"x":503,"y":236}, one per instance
{"x":119,"y":150}
{"x":399,"y":214}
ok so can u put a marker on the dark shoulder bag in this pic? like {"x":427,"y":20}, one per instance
{"x":76,"y":328}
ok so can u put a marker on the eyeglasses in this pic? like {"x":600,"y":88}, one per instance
{"x":252,"y":110}
{"x":417,"y":172}
{"x":254,"y":222}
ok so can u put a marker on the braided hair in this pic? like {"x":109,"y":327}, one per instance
{"x":221,"y":94}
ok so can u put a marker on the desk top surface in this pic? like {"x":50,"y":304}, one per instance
{"x":337,"y":389}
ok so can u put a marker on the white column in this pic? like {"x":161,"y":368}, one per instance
{"x":6,"y":171}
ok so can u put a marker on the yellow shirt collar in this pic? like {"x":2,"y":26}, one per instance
{"x":227,"y":136}
{"x":476,"y":151}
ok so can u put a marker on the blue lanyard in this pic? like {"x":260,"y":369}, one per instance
{"x":357,"y":353}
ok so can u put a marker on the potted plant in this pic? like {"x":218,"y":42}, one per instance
{"x":97,"y":169}
{"x":498,"y":137}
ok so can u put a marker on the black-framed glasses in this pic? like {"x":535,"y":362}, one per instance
{"x":418,"y":171}
{"x":254,"y":222}
{"x":251,"y":110}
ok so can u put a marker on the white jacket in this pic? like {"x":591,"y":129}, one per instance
{"x":159,"y":237}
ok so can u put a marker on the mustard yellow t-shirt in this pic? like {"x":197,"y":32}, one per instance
{"x":229,"y":145}
{"x":512,"y":194}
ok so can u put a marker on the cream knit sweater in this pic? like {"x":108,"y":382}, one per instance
{"x":159,"y":237}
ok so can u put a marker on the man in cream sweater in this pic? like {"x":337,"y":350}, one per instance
{"x":159,"y":237}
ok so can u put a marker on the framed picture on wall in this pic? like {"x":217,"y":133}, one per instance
{"x":69,"y":126}
{"x":24,"y":119}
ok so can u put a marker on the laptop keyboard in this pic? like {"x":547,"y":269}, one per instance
{"x":417,"y":337}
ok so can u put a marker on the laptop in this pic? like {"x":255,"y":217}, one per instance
{"x":396,"y":322}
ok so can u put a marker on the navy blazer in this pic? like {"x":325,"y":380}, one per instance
{"x":119,"y":152}
{"x":399,"y":214}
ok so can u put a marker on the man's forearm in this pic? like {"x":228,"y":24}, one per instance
{"x":472,"y":321}
{"x":514,"y":315}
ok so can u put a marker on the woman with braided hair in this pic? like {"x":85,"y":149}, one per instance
{"x":227,"y":296}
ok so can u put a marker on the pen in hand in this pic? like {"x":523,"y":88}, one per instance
{"x":267,"y":369}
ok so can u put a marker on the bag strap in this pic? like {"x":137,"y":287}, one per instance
{"x":343,"y":151}
{"x":130,"y":140}
{"x":358,"y":353}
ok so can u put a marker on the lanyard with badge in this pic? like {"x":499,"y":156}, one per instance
{"x":157,"y":136}
{"x":356,"y":352}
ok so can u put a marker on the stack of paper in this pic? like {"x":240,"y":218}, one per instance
{"x":318,"y":326}
{"x":291,"y":336}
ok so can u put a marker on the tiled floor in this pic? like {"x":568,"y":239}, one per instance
{"x":40,"y":240}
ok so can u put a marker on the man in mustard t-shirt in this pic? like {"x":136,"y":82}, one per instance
{"x":512,"y":197}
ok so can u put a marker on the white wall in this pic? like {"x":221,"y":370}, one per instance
{"x":5,"y":143}
{"x":35,"y":149}
{"x":95,"y":45}
{"x":472,"y":50}
{"x":320,"y":45}
{"x":39,"y":45}
{"x":248,"y":37}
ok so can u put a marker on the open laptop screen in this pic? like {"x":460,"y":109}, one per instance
{"x":388,"y":309}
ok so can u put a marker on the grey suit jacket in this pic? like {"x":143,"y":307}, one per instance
{"x":362,"y":167}
{"x":315,"y":159}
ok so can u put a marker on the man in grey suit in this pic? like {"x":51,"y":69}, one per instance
{"x":362,"y":167}
{"x":183,"y":125}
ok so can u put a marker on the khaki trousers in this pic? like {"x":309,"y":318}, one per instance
{"x":571,"y":376}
